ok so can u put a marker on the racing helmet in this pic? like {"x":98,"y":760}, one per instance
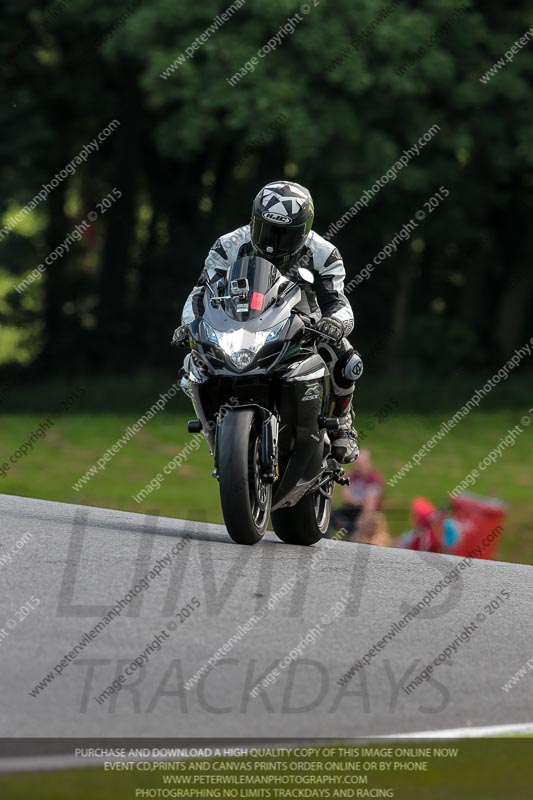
{"x":282,"y":216}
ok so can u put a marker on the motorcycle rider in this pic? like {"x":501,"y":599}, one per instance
{"x":281,"y":232}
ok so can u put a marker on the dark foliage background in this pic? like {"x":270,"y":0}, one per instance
{"x":331,"y":107}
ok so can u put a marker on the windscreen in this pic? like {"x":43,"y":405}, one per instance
{"x":250,"y":283}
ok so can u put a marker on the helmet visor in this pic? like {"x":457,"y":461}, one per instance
{"x":277,"y":240}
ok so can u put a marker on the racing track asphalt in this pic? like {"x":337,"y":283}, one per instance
{"x":80,"y":560}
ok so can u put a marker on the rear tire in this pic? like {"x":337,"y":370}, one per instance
{"x":306,"y":522}
{"x":244,"y":497}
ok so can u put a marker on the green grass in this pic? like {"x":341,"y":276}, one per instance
{"x":78,"y":440}
{"x":485,"y":769}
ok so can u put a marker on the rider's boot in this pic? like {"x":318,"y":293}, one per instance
{"x":345,"y":441}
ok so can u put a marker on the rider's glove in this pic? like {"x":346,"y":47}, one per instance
{"x":330,"y":327}
{"x":180,"y":336}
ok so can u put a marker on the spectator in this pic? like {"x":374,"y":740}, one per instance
{"x":424,"y":535}
{"x":372,"y":529}
{"x":363,"y":496}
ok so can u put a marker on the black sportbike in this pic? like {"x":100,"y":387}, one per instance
{"x":261,"y":392}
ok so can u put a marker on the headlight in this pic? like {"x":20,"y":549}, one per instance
{"x":273,"y":333}
{"x":242,"y":358}
{"x":210,"y":333}
{"x":241,"y":346}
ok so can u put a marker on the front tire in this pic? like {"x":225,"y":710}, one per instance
{"x":245,"y":498}
{"x":306,"y":522}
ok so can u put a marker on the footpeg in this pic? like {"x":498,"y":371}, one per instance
{"x":194,"y":426}
{"x":331,"y":424}
{"x":340,"y":478}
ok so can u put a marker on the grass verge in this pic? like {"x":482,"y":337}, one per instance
{"x":77,"y":440}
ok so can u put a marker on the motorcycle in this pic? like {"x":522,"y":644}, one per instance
{"x":262,"y":395}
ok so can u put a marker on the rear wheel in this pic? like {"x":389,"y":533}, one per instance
{"x":244,"y":495}
{"x":307,"y":521}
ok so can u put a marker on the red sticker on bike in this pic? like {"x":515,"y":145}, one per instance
{"x":257,"y":302}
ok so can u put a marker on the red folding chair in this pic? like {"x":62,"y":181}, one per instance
{"x":480,"y":522}
{"x":470,"y":526}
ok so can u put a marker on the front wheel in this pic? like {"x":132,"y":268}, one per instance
{"x":307,"y":521}
{"x":245,"y":497}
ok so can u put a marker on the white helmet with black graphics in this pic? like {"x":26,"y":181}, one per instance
{"x":282,"y":217}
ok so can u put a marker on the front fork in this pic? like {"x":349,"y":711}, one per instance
{"x":269,"y":439}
